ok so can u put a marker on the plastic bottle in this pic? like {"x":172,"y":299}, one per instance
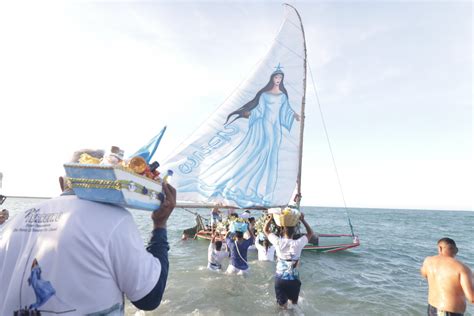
{"x":167,"y":177}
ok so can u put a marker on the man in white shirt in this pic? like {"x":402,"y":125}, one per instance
{"x":288,"y":250}
{"x":215,"y":254}
{"x":77,"y":257}
{"x":266,"y":251}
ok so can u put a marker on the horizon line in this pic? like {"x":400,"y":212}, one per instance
{"x":319,"y":206}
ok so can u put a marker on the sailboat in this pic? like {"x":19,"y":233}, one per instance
{"x":248,"y":154}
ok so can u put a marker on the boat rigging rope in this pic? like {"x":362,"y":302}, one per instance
{"x":330,"y":149}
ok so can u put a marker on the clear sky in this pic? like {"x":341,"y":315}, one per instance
{"x":394,"y":80}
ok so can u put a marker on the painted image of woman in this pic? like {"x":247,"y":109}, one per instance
{"x":43,"y":289}
{"x":274,"y":88}
{"x":248,"y":173}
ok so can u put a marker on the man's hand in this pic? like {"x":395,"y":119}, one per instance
{"x":160,"y":216}
{"x":266,"y":226}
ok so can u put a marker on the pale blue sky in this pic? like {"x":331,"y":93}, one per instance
{"x":394,"y":81}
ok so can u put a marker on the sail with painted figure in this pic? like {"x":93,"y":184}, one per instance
{"x":248,"y":154}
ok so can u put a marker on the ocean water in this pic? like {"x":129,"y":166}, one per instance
{"x":381,"y":277}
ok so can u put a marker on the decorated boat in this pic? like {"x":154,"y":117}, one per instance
{"x":115,"y":185}
{"x":133,"y":182}
{"x":248,"y":154}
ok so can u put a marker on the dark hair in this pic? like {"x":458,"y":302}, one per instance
{"x":266,"y":244}
{"x":218,"y":245}
{"x":239,"y":235}
{"x":289,"y":231}
{"x":450,"y":243}
{"x":252,"y":104}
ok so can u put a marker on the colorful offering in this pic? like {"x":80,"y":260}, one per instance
{"x":127,"y":182}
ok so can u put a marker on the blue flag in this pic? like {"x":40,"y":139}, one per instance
{"x":149,"y":149}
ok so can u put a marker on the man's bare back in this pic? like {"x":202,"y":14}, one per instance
{"x":449,"y":281}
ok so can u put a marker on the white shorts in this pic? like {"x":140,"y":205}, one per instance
{"x":233,"y":270}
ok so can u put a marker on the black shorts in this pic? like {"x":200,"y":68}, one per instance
{"x":433,"y":311}
{"x":287,"y":290}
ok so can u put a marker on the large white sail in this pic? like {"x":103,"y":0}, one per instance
{"x":247,"y":154}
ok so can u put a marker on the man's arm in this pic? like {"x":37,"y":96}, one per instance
{"x":467,"y":284}
{"x":309,"y":230}
{"x":266,"y":227}
{"x":250,"y":230}
{"x":158,"y":247}
{"x":423,"y":269}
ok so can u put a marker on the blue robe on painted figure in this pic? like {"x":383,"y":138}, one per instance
{"x":247,"y":175}
{"x":43,"y":289}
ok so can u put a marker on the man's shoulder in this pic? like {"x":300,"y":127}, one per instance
{"x":303,"y":239}
{"x":89,"y":211}
{"x":440,"y":261}
{"x":461,"y":266}
{"x":73,"y":200}
{"x":273,"y":238}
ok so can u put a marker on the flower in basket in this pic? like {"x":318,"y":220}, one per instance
{"x":287,"y":211}
{"x":260,"y":224}
{"x":240,"y":220}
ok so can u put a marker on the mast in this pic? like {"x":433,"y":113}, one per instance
{"x":302,"y":115}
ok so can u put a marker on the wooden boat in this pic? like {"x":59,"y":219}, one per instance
{"x":320,"y":243}
{"x":248,"y":154}
{"x":326,"y":242}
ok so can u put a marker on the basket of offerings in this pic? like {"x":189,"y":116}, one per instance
{"x":238,"y":225}
{"x":128,"y":183}
{"x":287,"y":217}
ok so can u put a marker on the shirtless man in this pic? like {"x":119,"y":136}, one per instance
{"x":449,"y":281}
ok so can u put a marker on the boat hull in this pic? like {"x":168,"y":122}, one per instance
{"x":333,"y":243}
{"x":327,"y":242}
{"x":115,"y":185}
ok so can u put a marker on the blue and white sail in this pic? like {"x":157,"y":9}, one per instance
{"x":248,"y":153}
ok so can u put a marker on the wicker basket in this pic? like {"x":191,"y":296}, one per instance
{"x":287,"y":220}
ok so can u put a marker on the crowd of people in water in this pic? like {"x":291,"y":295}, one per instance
{"x":283,"y":247}
{"x":450,"y":281}
{"x":55,"y":251}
